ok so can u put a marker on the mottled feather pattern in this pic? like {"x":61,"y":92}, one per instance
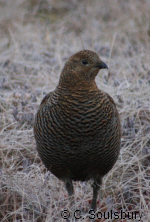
{"x":77,"y":127}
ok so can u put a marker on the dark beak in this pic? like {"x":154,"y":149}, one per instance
{"x":101,"y":65}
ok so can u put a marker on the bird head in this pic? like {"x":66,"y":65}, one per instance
{"x":81,"y":69}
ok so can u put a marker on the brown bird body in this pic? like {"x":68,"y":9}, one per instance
{"x":77,"y":127}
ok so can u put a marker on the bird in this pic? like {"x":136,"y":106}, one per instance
{"x":77,"y":127}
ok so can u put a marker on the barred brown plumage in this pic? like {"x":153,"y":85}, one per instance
{"x":77,"y":127}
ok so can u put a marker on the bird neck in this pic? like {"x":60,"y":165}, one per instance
{"x":78,"y":87}
{"x":71,"y":83}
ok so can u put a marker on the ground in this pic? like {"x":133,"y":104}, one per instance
{"x":37,"y":37}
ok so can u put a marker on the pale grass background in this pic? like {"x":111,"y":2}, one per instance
{"x":36,"y":38}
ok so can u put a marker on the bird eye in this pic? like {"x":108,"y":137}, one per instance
{"x":84,"y":62}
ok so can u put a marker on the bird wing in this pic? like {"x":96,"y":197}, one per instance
{"x":118,"y":126}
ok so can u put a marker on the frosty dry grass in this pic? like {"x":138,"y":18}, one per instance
{"x":36,"y":39}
